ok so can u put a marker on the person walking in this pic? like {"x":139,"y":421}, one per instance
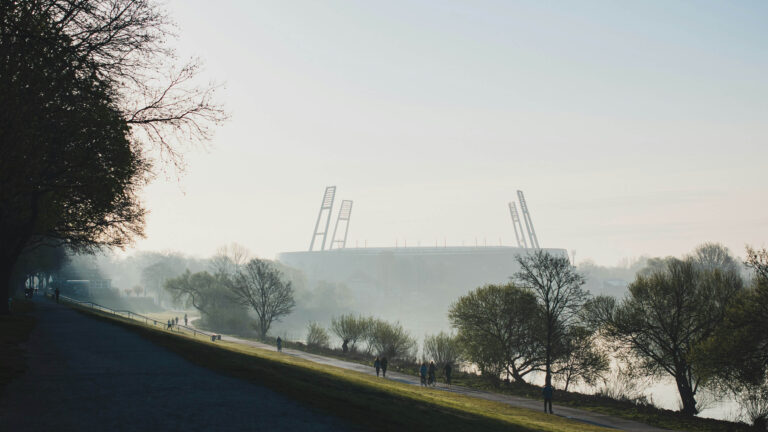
{"x":185,"y":320}
{"x":547,"y":392}
{"x":423,"y":374}
{"x":384,"y":364}
{"x":447,"y":371}
{"x":56,"y":292}
{"x":377,"y":365}
{"x":279,"y":344}
{"x":177,"y":321}
{"x":431,"y":373}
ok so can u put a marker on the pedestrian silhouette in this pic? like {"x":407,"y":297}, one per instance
{"x":447,"y":370}
{"x":431,"y":373}
{"x":377,"y":365}
{"x":423,"y":374}
{"x":279,"y":344}
{"x":384,"y":364}
{"x":547,"y":391}
{"x":56,"y":292}
{"x":185,"y":320}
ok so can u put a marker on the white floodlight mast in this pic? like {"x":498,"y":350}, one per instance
{"x":345,"y":212}
{"x":527,"y":219}
{"x":519,"y":233}
{"x":326,"y":204}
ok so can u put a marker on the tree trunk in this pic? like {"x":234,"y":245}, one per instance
{"x":687,"y":396}
{"x":6,"y":273}
{"x":548,"y":374}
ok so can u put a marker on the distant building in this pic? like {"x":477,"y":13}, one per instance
{"x":414,"y":284}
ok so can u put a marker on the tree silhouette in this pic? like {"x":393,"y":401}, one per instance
{"x":80,"y":112}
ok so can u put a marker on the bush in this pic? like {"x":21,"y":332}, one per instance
{"x":317,"y":336}
{"x":351,"y":329}
{"x":391,"y":340}
{"x":442,"y":348}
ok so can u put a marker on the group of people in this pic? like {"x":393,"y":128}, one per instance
{"x":428,"y":372}
{"x":175,"y":321}
{"x":381,"y":365}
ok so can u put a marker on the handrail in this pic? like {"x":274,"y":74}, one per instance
{"x":139,"y":317}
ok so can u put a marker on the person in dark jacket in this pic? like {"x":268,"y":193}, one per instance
{"x":279,"y":344}
{"x":384,"y":364}
{"x":547,"y":392}
{"x":447,"y":370}
{"x":56,"y":292}
{"x":377,"y":365}
{"x":431,"y":373}
{"x":423,"y":374}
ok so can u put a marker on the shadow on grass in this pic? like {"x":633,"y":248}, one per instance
{"x":364,"y":406}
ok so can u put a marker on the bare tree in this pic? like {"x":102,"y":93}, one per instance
{"x":125,"y":43}
{"x":712,"y":256}
{"x":260,"y":285}
{"x":317,"y":335}
{"x":229,"y":259}
{"x":351,"y":329}
{"x":557,"y":286}
{"x":443,"y":348}
{"x":757,"y":260}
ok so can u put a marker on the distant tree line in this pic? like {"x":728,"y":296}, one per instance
{"x":237,"y":285}
{"x":695,"y":319}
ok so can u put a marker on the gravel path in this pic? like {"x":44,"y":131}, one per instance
{"x":88,"y":375}
{"x":562,"y":411}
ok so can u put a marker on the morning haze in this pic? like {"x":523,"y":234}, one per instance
{"x":403,"y":215}
{"x":633,"y":129}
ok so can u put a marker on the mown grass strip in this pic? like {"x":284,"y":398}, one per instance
{"x":361,"y":399}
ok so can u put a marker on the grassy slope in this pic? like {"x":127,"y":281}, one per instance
{"x":14,"y":330}
{"x":647,"y":414}
{"x":361,"y":399}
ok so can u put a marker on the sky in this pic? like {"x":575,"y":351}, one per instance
{"x":634,"y":128}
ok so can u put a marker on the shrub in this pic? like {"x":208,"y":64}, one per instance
{"x":317,"y":335}
{"x":351,"y":329}
{"x":391,"y":340}
{"x":442,"y":348}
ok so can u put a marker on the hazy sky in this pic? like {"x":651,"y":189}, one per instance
{"x":633,"y":128}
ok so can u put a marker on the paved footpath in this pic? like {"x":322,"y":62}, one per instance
{"x":89,"y":375}
{"x":563,"y":411}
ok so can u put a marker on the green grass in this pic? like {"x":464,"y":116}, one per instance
{"x":647,"y":414}
{"x":363,"y":400}
{"x":14,"y":331}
